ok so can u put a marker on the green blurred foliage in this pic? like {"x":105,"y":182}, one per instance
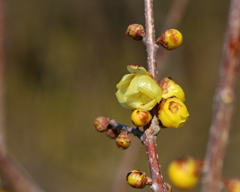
{"x":63,"y":61}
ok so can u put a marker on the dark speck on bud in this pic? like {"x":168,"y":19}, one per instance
{"x":113,"y":133}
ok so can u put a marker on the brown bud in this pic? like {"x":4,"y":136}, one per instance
{"x":135,"y":31}
{"x":101,"y":123}
{"x":113,"y":133}
{"x":123,"y":140}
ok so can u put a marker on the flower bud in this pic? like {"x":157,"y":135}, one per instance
{"x":140,"y":117}
{"x":184,"y":173}
{"x":113,"y":133}
{"x":138,"y":179}
{"x":171,"y":88}
{"x":135,"y":31}
{"x":232,"y":185}
{"x":170,"y":39}
{"x":172,"y":112}
{"x":123,"y":140}
{"x":101,"y":123}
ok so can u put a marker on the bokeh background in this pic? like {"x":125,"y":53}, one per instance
{"x":63,"y":61}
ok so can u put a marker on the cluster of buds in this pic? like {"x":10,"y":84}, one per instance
{"x":169,"y":39}
{"x":123,"y":141}
{"x":101,"y":124}
{"x":138,"y":179}
{"x":140,"y":92}
{"x":172,"y":112}
{"x":184,"y":173}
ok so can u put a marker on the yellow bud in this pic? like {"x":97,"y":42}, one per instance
{"x":170,"y":39}
{"x":140,"y":117}
{"x":171,"y":88}
{"x":172,"y":112}
{"x":232,"y":185}
{"x":135,"y":31}
{"x":138,"y":90}
{"x":123,"y":140}
{"x":184,"y":173}
{"x":138,"y":179}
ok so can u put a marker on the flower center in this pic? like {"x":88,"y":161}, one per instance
{"x":174,"y":107}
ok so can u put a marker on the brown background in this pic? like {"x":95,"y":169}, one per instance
{"x":63,"y":61}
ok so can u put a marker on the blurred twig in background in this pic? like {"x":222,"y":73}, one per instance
{"x":223,"y":107}
{"x":11,"y":173}
{"x":173,"y":19}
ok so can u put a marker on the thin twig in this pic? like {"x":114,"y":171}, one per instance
{"x":150,"y":39}
{"x":150,"y":134}
{"x":149,"y":140}
{"x":114,"y":125}
{"x":223,"y":106}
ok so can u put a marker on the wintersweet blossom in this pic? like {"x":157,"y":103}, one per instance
{"x":184,"y":173}
{"x":138,"y":90}
{"x":172,"y":112}
{"x":171,"y":88}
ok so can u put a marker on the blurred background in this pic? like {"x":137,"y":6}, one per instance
{"x":63,"y":61}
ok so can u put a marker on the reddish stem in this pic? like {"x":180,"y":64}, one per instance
{"x":151,"y":150}
{"x":150,"y":39}
{"x":150,"y":134}
{"x":223,"y":106}
{"x":149,"y":140}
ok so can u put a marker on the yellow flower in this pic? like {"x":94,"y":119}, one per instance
{"x":171,"y":88}
{"x":138,"y":90}
{"x":172,"y":112}
{"x":184,"y":173}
